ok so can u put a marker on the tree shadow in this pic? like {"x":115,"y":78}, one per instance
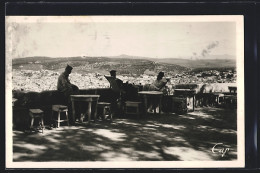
{"x":166,"y":137}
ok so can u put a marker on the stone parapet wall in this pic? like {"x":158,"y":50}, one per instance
{"x":44,"y":100}
{"x":207,"y":88}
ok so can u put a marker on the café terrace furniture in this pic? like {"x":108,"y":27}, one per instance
{"x":230,"y":101}
{"x":132,"y":108}
{"x":232,"y":89}
{"x":151,"y":95}
{"x":13,"y":101}
{"x":188,"y":93}
{"x":89,"y":99}
{"x":106,"y":110}
{"x":60,"y":109}
{"x":36,"y":114}
{"x":113,"y":83}
{"x":217,"y":97}
{"x":179,"y":104}
{"x":130,"y":103}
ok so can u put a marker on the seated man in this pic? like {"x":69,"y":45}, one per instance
{"x":64,"y":84}
{"x":118,"y":88}
{"x":65,"y":87}
{"x":158,"y":85}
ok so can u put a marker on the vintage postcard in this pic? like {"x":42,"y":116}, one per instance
{"x":125,"y":91}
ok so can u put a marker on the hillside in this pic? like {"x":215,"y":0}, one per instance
{"x":209,"y":61}
{"x":102,"y":65}
{"x":200,"y":63}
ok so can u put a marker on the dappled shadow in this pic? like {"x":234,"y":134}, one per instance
{"x":167,"y":137}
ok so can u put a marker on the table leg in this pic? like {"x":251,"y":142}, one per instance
{"x":160,"y":104}
{"x":42,"y":123}
{"x":95,"y":113}
{"x":154,"y":104}
{"x":145,"y":105}
{"x":193,"y":102}
{"x":58,"y":119}
{"x":32,"y":121}
{"x":67,"y":118}
{"x":89,"y":111}
{"x":73,"y":112}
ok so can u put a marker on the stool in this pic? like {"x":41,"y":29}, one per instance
{"x":60,"y":109}
{"x":36,"y":113}
{"x":132,"y":104}
{"x":230,"y":101}
{"x":13,"y":101}
{"x":106,"y":108}
{"x":217,"y":97}
{"x":179,"y":105}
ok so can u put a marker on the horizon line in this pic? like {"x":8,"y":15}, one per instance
{"x":133,"y":56}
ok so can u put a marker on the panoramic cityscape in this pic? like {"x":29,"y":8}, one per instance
{"x":36,"y":76}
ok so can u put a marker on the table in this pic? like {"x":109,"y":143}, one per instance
{"x":153,"y":95}
{"x":217,"y":96}
{"x":232,"y":88}
{"x":230,"y":100}
{"x":186,"y":93}
{"x":13,"y":101}
{"x":85,"y":98}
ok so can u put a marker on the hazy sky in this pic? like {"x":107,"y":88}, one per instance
{"x":150,"y":39}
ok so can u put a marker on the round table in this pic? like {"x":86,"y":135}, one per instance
{"x":85,"y":98}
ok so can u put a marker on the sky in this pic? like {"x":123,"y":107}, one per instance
{"x":152,"y":38}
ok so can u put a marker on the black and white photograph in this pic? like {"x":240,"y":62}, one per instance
{"x":125,"y":91}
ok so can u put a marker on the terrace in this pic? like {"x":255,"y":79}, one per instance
{"x":155,"y":137}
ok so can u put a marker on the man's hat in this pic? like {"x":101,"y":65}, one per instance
{"x":69,"y":67}
{"x":161,"y":74}
{"x":112,"y":71}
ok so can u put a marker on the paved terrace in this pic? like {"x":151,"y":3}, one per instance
{"x":166,"y":137}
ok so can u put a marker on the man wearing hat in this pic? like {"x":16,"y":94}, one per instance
{"x":118,"y":81}
{"x":64,"y":84}
{"x":117,"y":87}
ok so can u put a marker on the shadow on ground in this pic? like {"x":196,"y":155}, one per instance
{"x":167,"y":137}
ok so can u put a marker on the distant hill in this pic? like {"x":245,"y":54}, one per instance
{"x":17,"y":61}
{"x":124,"y":56}
{"x":102,"y":65}
{"x":210,"y":61}
{"x":200,"y":63}
{"x":124,"y":64}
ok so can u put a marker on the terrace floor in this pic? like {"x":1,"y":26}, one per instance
{"x":166,"y":137}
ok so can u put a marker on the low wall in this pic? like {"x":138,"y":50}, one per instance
{"x":207,"y":88}
{"x":44,"y":100}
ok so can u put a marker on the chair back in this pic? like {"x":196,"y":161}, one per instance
{"x":113,"y":83}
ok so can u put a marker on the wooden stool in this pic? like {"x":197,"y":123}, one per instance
{"x":179,"y":105}
{"x":106,"y":107}
{"x":230,"y":101}
{"x":131,"y":104}
{"x":36,"y":113}
{"x":60,"y":109}
{"x":13,"y":101}
{"x":217,"y":98}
